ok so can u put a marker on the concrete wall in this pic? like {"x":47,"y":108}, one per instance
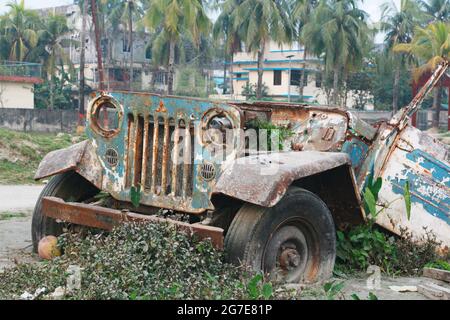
{"x":36,"y":120}
{"x":16,"y":95}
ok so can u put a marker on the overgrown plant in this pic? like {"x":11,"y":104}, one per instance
{"x":367,"y":245}
{"x":276,"y":135}
{"x":138,"y":261}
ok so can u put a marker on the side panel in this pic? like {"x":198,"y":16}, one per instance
{"x":420,"y":160}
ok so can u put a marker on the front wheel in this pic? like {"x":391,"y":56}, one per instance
{"x":68,"y":186}
{"x":293,"y":242}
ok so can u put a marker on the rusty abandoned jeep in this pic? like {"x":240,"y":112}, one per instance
{"x":275,"y":211}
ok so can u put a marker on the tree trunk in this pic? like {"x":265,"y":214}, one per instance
{"x":130,"y":43}
{"x":302,"y":76}
{"x":345,"y":91}
{"x":259,"y":88}
{"x":396,"y":89}
{"x":437,"y":102}
{"x":224,"y":91}
{"x":335,"y":100}
{"x":82,"y":62}
{"x":171,"y":67}
{"x":52,"y":93}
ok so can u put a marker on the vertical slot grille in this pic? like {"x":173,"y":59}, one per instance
{"x":161,"y":150}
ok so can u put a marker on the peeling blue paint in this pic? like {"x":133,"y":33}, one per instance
{"x":439,"y":170}
{"x":428,"y":190}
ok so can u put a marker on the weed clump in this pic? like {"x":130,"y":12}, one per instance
{"x":366,"y":245}
{"x":138,"y":261}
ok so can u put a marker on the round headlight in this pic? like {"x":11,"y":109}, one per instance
{"x":216,"y":124}
{"x":106,"y":115}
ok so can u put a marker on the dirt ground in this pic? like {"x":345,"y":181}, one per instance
{"x":16,"y":206}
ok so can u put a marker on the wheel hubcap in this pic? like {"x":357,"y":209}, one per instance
{"x":289,"y":259}
{"x":286,"y":255}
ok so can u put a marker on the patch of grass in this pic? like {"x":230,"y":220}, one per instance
{"x":439,"y":264}
{"x":21,"y":153}
{"x":11,"y":215}
{"x":139,"y":261}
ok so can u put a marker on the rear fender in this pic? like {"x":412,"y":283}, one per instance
{"x":80,"y":157}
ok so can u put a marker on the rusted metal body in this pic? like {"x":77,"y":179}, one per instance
{"x":107,"y":219}
{"x":273,"y":173}
{"x":162,"y":146}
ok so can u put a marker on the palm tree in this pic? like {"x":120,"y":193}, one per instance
{"x":20,"y":30}
{"x":399,"y":24}
{"x":438,"y":10}
{"x":53,"y":38}
{"x":431,"y":46}
{"x":337,"y":31}
{"x":124,"y":13}
{"x":84,"y":6}
{"x":258,"y":22}
{"x":173,"y":19}
{"x":224,"y":30}
{"x":303,"y":11}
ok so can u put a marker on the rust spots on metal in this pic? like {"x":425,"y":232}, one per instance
{"x":155,"y":153}
{"x":161,"y":108}
{"x":176,"y":148}
{"x":186,"y":159}
{"x":273,"y":174}
{"x":138,"y":151}
{"x":165,"y":156}
{"x":60,"y":161}
{"x":145,"y":151}
{"x":107,"y":219}
{"x":94,"y":116}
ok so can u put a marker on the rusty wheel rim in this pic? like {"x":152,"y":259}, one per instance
{"x":287,"y":254}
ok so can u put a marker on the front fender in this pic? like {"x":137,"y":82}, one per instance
{"x":80,"y":157}
{"x":264,"y":179}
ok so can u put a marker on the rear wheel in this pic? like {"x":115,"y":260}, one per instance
{"x":293,"y":242}
{"x":68,"y":186}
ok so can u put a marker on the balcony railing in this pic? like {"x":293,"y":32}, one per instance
{"x":20,"y":69}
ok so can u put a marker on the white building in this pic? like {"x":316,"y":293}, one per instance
{"x":115,"y":53}
{"x":17,"y":82}
{"x":279,"y":62}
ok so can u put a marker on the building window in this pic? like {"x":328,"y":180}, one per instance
{"x":277,"y":77}
{"x":318,"y":80}
{"x":148,"y":53}
{"x":125,"y":45}
{"x":295,"y":78}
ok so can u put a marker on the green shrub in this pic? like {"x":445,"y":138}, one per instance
{"x":366,"y":244}
{"x":138,"y":261}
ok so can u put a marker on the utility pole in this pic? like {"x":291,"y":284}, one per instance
{"x":289,"y":78}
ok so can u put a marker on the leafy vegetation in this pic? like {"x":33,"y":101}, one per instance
{"x":366,"y":244}
{"x":138,"y":261}
{"x":439,"y":264}
{"x":276,"y":135}
{"x":21,"y":153}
